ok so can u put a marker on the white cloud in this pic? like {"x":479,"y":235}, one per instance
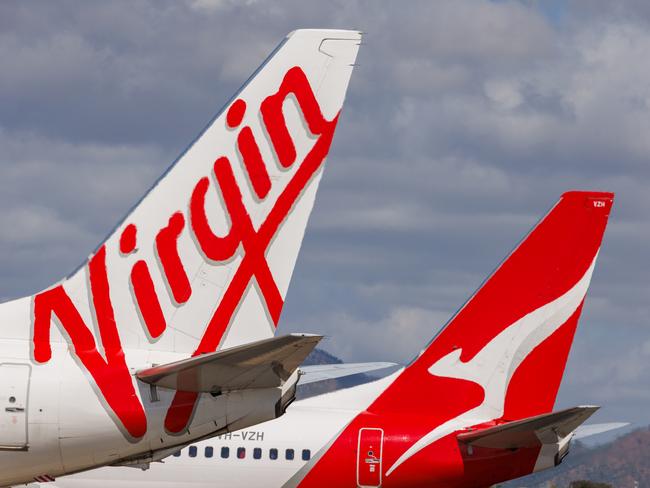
{"x":59,"y":199}
{"x":504,"y":94}
{"x":36,"y":225}
{"x":399,"y":336}
{"x":220,"y":4}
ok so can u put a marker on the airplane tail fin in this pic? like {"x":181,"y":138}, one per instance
{"x":509,"y":343}
{"x":204,"y":260}
{"x":502,"y":356}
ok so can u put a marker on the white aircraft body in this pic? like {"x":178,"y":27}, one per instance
{"x":165,"y":335}
{"x":269,"y":455}
{"x":266,"y":455}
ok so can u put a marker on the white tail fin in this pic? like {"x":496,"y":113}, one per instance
{"x":204,"y":260}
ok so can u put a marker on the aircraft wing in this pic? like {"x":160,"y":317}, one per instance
{"x":261,"y":364}
{"x":545,"y":428}
{"x":322,"y":372}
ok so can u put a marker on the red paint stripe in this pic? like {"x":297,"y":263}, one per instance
{"x":235,"y":113}
{"x":180,"y":411}
{"x":214,"y":247}
{"x":253,"y":162}
{"x":147,"y":299}
{"x":103,"y":307}
{"x":167,"y":247}
{"x":128,"y":239}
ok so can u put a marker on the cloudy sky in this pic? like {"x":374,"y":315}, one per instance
{"x":464,"y":123}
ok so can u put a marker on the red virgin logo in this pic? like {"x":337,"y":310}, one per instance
{"x":110,"y":372}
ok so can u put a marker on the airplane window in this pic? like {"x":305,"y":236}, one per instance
{"x":273,"y":453}
{"x":306,"y":454}
{"x":289,"y":454}
{"x":192,"y":451}
{"x":257,"y":453}
{"x":209,"y":451}
{"x":241,"y":452}
{"x":225,"y":452}
{"x":177,"y":454}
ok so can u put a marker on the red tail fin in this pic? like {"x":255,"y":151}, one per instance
{"x":504,"y":353}
{"x":543,"y":281}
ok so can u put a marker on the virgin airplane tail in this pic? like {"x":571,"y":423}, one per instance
{"x":499,"y":359}
{"x":204,"y":260}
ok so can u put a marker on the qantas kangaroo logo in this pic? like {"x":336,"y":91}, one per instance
{"x":109,"y":372}
{"x":494,"y":366}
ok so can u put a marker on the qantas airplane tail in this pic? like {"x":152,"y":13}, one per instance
{"x":502,"y":356}
{"x":204,"y":260}
{"x":509,"y":343}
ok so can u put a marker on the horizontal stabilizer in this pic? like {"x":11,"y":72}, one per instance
{"x":322,"y":372}
{"x":546,"y":429}
{"x":595,"y":429}
{"x":261,"y":364}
